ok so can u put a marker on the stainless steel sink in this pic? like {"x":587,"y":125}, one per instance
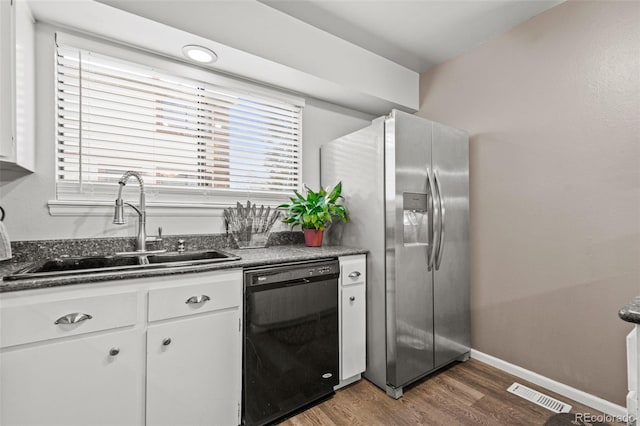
{"x":194,"y":257}
{"x":69,"y":266}
{"x":82,"y":263}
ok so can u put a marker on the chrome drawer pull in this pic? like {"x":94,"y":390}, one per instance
{"x":352,"y":298}
{"x":73,"y":318}
{"x":114,"y":351}
{"x":354,"y":274}
{"x":197,"y":299}
{"x":166,"y":341}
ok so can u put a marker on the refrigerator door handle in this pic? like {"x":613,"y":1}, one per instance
{"x":442,"y":220}
{"x":432,"y":247}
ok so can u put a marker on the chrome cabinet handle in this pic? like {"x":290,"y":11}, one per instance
{"x":74,"y":318}
{"x":114,"y":351}
{"x":442,"y":216}
{"x":166,"y":341}
{"x":432,"y":252}
{"x":197,"y":299}
{"x":352,"y":298}
{"x":354,"y":274}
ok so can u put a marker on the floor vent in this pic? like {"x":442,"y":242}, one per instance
{"x":539,"y":398}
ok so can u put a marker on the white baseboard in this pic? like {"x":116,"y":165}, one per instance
{"x":547,"y":383}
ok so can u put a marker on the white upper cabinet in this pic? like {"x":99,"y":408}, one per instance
{"x":17,"y":87}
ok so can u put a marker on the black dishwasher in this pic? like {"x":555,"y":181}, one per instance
{"x":290,"y":338}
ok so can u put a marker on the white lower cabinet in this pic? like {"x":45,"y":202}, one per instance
{"x":194,"y":370}
{"x":84,"y":381}
{"x":76,"y":355}
{"x":352,"y":318}
{"x":354,"y":342}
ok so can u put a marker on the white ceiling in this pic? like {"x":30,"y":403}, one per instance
{"x":362,"y":54}
{"x":414,"y":33}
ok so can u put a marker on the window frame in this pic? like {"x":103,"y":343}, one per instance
{"x":173,"y":201}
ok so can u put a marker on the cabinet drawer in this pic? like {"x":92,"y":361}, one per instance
{"x":219,"y":291}
{"x":353,"y":269}
{"x":33,"y":322}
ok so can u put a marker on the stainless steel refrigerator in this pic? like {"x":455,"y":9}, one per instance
{"x":406,"y":184}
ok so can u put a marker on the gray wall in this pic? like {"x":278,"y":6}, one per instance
{"x":25,"y":199}
{"x":553,"y":110}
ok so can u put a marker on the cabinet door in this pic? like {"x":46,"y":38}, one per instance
{"x":17,"y":85}
{"x":194,"y":378}
{"x":7,"y":88}
{"x":24,"y":144}
{"x":353,"y":359}
{"x":74,"y":382}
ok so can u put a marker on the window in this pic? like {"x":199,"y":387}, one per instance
{"x":190,"y":139}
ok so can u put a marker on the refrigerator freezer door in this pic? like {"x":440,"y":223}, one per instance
{"x":450,"y":150}
{"x":409,"y":286}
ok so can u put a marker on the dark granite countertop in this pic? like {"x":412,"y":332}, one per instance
{"x":249,"y":258}
{"x":631,"y":311}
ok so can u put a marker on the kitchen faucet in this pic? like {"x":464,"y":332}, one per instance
{"x":118,"y":216}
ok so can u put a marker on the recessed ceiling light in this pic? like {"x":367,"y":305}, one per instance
{"x":199,"y":54}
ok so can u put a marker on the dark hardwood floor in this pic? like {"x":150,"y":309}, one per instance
{"x":471,"y":393}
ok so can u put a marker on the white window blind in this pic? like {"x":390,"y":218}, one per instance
{"x":190,"y":139}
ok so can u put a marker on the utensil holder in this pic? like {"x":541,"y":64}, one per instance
{"x":256,"y":240}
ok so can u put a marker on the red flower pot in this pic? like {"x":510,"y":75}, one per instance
{"x":313,"y":237}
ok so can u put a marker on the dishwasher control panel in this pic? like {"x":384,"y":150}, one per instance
{"x":320,"y":270}
{"x":325,"y":269}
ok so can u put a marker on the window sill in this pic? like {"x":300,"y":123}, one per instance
{"x":161,"y":209}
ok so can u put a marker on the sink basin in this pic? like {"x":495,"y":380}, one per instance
{"x":193,"y":257}
{"x":66,"y":266}
{"x":81,"y":263}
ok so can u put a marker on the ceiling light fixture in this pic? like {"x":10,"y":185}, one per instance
{"x":199,"y":54}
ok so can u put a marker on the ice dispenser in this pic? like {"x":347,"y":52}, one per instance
{"x":416,"y":218}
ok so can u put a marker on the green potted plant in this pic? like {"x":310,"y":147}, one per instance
{"x":313,"y":212}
